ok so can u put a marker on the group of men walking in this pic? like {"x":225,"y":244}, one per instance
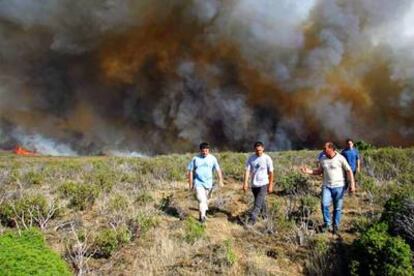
{"x":338,"y":170}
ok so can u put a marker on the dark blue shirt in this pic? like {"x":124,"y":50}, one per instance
{"x":351,"y":155}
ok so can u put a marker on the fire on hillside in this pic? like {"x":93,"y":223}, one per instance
{"x":19,"y":150}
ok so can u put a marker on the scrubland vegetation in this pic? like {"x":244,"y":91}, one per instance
{"x":110,"y":216}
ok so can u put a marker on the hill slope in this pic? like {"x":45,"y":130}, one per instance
{"x":108,"y":215}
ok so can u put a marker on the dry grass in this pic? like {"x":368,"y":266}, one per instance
{"x":131,"y":187}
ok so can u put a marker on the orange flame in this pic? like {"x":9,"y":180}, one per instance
{"x":19,"y":150}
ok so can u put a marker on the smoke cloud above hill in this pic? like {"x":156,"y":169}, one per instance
{"x":88,"y":77}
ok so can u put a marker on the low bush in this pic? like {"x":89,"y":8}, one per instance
{"x":319,"y":260}
{"x":26,"y":210}
{"x":293,"y":184}
{"x":145,"y":221}
{"x":118,"y":203}
{"x":108,"y":241}
{"x":231,"y":257}
{"x":399,"y":215}
{"x":144,"y":198}
{"x":232,"y":164}
{"x":27,"y":254}
{"x":362,"y":145}
{"x":34,"y":178}
{"x":81,"y":196}
{"x":193,"y":230}
{"x":389,"y":163}
{"x":308,"y":205}
{"x":378,"y":253}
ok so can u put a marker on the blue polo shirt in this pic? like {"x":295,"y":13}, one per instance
{"x":203,"y":168}
{"x":351,"y":155}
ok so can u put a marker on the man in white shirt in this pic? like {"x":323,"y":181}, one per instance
{"x":333,"y":167}
{"x":259,"y":169}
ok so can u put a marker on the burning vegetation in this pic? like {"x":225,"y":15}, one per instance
{"x":19,"y":150}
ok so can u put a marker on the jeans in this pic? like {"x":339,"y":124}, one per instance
{"x":259,"y":201}
{"x":335,"y":195}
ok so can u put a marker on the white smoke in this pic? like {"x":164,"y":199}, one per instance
{"x":42,"y":145}
{"x":125,"y":153}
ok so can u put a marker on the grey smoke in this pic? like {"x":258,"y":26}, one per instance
{"x":51,"y":89}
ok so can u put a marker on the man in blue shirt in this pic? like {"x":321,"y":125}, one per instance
{"x":351,"y":155}
{"x":200,"y":176}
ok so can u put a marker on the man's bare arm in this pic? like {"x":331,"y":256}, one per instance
{"x":270,"y":187}
{"x":220,"y":177}
{"x":246,"y":180}
{"x":190,"y":179}
{"x":317,"y":171}
{"x":351,"y":178}
{"x":358,"y":166}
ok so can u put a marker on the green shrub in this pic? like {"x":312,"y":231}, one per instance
{"x":27,"y":254}
{"x":193,"y":230}
{"x":319,"y":259}
{"x":81,"y":196}
{"x":399,"y":215}
{"x":145,"y":221}
{"x":293,"y":183}
{"x":102,"y":175}
{"x":308,"y":205}
{"x":378,"y":253}
{"x":231,"y":257}
{"x":144,"y":198}
{"x":389,"y":163}
{"x":232,"y":164}
{"x":362,"y":223}
{"x":108,"y":241}
{"x":362,"y":145}
{"x":34,"y":178}
{"x":118,"y":203}
{"x":24,"y":210}
{"x":367,"y":183}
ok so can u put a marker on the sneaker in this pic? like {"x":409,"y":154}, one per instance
{"x":251,"y":221}
{"x":202,"y":220}
{"x":335,"y":230}
{"x":324,"y":228}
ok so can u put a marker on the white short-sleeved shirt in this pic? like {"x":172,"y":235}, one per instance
{"x":334,"y":170}
{"x":259,"y":167}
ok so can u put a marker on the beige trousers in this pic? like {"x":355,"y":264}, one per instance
{"x":202,"y":197}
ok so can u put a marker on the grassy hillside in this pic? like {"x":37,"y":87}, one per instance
{"x":108,"y":215}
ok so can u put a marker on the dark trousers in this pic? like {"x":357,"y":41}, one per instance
{"x":259,"y":201}
{"x":348,"y":181}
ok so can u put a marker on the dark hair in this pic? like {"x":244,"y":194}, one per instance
{"x":349,"y":140}
{"x":258,"y":144}
{"x":331,"y":145}
{"x":204,"y":145}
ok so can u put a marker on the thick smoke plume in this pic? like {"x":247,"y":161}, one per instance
{"x":89,"y":77}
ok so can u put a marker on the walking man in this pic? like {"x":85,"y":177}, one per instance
{"x":333,"y":167}
{"x":351,"y":155}
{"x":200,"y":176}
{"x":259,"y":170}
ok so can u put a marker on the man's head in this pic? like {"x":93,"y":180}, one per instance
{"x":259,"y":148}
{"x":349,"y":143}
{"x":329,"y":149}
{"x":204,"y":149}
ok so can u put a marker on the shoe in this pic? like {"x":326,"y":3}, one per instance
{"x":324,"y":228}
{"x":202,"y":220}
{"x":251,"y":221}
{"x":335,"y":230}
